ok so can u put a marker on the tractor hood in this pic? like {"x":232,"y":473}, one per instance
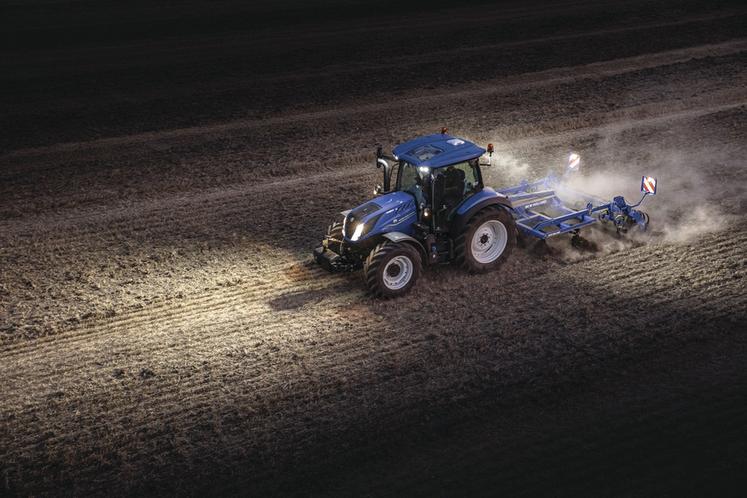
{"x":392,"y":212}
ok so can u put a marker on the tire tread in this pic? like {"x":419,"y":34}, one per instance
{"x":377,"y":257}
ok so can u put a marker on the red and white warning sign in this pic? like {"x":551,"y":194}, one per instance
{"x":573,"y":161}
{"x":648,"y":185}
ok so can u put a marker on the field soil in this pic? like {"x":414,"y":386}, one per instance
{"x":165,"y":174}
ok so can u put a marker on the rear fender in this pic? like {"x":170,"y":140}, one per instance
{"x":485,"y":198}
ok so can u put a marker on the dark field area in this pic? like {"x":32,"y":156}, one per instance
{"x":167,"y":168}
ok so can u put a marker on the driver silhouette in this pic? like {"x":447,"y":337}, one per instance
{"x":453,"y":186}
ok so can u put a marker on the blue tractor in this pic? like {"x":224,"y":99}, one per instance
{"x":440,"y":211}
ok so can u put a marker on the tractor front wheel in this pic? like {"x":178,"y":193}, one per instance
{"x":391,"y":269}
{"x":334,"y":237}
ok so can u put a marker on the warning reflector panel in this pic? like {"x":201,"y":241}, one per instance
{"x":648,"y":185}
{"x":574,"y":160}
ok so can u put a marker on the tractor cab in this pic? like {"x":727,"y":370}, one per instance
{"x":440,"y":171}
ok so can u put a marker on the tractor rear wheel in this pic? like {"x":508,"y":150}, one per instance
{"x":391,"y":269}
{"x":487,"y":241}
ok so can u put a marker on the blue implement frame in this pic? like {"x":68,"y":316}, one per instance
{"x":540,"y":212}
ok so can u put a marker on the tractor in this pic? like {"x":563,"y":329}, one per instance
{"x":438,"y":210}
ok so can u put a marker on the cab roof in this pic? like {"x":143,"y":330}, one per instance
{"x":437,"y":151}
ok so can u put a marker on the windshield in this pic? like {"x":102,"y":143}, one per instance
{"x":411,"y":179}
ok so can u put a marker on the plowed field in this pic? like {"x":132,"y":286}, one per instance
{"x":163,"y":329}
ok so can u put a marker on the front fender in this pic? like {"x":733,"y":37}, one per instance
{"x":399,"y":237}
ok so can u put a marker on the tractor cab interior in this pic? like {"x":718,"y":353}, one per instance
{"x":452,"y":185}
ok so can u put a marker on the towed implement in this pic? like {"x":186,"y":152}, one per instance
{"x":439,"y":211}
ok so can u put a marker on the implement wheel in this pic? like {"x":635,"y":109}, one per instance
{"x":487,"y":241}
{"x":391,"y":269}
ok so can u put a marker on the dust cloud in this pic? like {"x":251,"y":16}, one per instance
{"x":687,"y":204}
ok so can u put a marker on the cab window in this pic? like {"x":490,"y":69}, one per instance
{"x":453,"y":184}
{"x":411,"y":179}
{"x":471,"y":176}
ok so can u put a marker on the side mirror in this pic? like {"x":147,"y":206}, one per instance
{"x":378,"y":190}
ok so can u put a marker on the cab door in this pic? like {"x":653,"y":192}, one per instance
{"x":452,"y":185}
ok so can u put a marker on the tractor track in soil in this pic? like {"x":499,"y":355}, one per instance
{"x":625,"y":281}
{"x":162,"y":333}
{"x":213,"y":299}
{"x":167,"y":399}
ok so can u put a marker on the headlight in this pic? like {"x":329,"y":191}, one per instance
{"x":360,"y":228}
{"x":358,"y":232}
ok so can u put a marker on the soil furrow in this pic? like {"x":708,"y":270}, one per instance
{"x":531,"y":80}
